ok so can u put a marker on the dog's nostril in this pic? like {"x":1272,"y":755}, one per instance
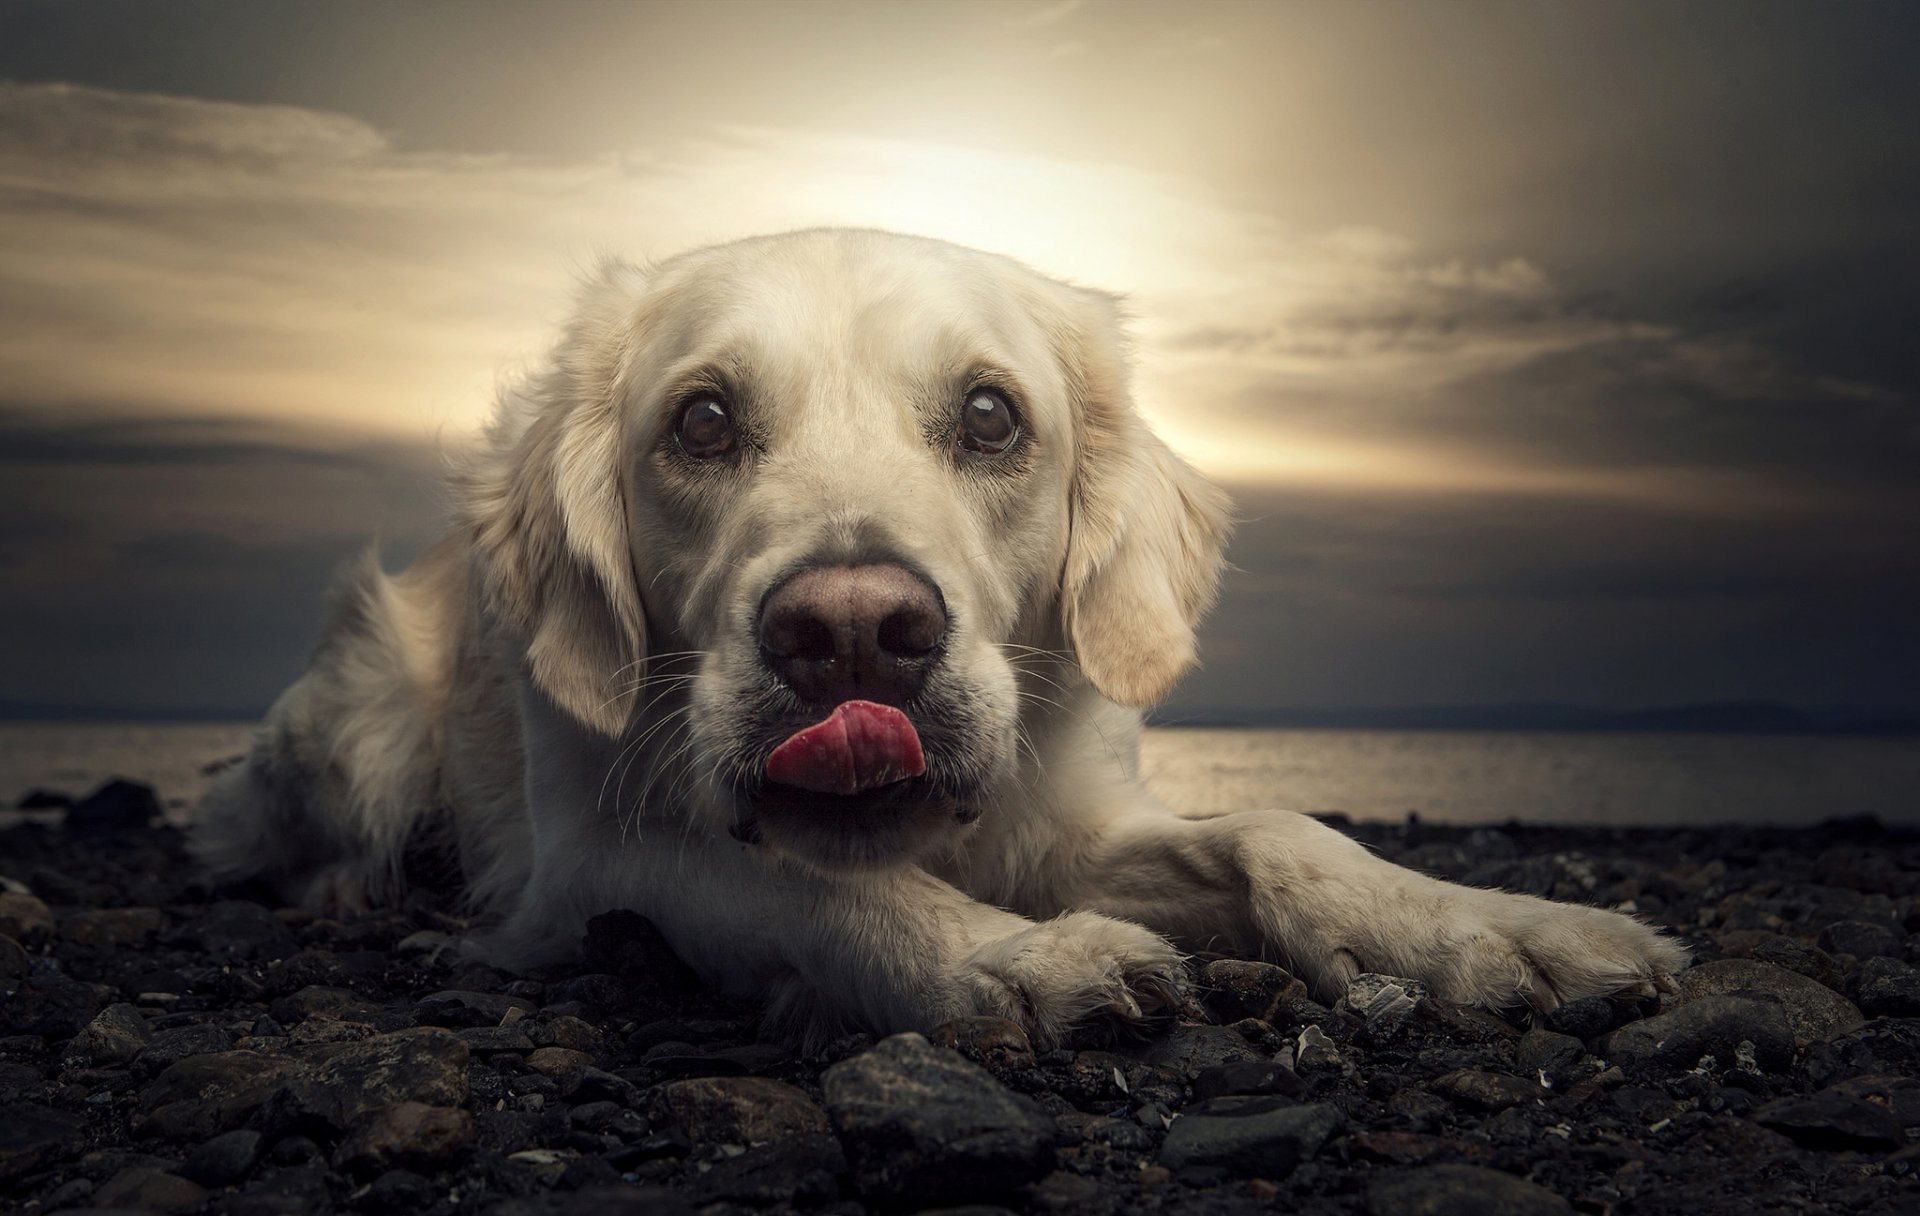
{"x":799,"y":636}
{"x":911,"y":632}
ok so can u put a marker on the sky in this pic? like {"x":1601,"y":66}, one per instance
{"x":1552,"y":352}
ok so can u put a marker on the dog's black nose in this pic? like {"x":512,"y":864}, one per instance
{"x":840,"y":633}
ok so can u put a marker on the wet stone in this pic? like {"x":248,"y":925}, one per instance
{"x":1708,"y":1026}
{"x":740,"y":1110}
{"x":149,"y":1189}
{"x":1830,"y":1120}
{"x":1460,"y":1190}
{"x":1814,"y":1011}
{"x":113,"y":926}
{"x":116,"y":1035}
{"x":1233,"y":989}
{"x":1542,"y":1050}
{"x":1267,"y":1137}
{"x":223,"y":1160}
{"x":922,"y":1123}
{"x":1862,"y":939}
{"x":995,"y":1042}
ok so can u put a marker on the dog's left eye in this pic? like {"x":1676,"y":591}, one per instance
{"x":988,"y":424}
{"x":705,"y":429}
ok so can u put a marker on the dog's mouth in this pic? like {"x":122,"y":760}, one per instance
{"x":852,"y":790}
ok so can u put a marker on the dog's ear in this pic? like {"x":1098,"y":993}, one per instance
{"x":1146,"y":534}
{"x":546,"y":506}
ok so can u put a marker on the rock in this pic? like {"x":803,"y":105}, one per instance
{"x":802,"y":1171}
{"x":425,"y":1065}
{"x":1264,"y":1137}
{"x":113,"y":926}
{"x":558,"y":1061}
{"x":299,"y":1190}
{"x":24,"y":918}
{"x":1587,"y":1018}
{"x":1189,"y":1049}
{"x":1480,"y":1090}
{"x":489,"y":1008}
{"x":1314,"y":1051}
{"x":620,"y":1200}
{"x":1384,"y":1002}
{"x":1542,"y":1050}
{"x":117,"y":806}
{"x":51,"y":1006}
{"x":1862,"y":939}
{"x":1814,"y":1011}
{"x":409,"y":1135}
{"x":995,"y":1042}
{"x":224,"y":1160}
{"x":34,"y":1136}
{"x":740,"y":1110}
{"x":38,"y":799}
{"x":200,"y":1096}
{"x":1246,"y":1077}
{"x":1234,"y":989}
{"x":149,"y":1189}
{"x":15,"y":966}
{"x":1889,"y":989}
{"x":1413,"y":1148}
{"x":237,"y":929}
{"x":171,"y":1046}
{"x":1829,"y":1120}
{"x":1710,"y":1025}
{"x":922,"y":1123}
{"x":1460,"y":1190}
{"x":116,"y":1035}
{"x":491,"y":1040}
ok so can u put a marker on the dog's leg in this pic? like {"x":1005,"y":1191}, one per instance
{"x":888,"y":951}
{"x":1286,"y":887}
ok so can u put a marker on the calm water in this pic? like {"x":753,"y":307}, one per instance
{"x":1447,"y":776}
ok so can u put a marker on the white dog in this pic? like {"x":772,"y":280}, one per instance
{"x":804,"y":604}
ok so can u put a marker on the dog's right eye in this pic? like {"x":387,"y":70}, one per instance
{"x":705,"y":429}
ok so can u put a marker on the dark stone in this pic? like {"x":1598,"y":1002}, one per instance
{"x":171,"y":1046}
{"x":1814,"y":1011}
{"x":117,"y":806}
{"x":34,"y":1136}
{"x":424,"y":1065}
{"x":1480,"y":1090}
{"x":803,"y":1170}
{"x":1860,"y":938}
{"x":922,"y":1123}
{"x":1830,"y":1120}
{"x":116,"y":1035}
{"x":224,"y":1160}
{"x":620,"y":1200}
{"x":995,"y":1042}
{"x":51,"y":1006}
{"x":149,"y":1190}
{"x":740,"y":1110}
{"x":201,"y":1096}
{"x":408,"y":1135}
{"x":1265,"y":1137}
{"x":43,"y":800}
{"x":1889,"y":989}
{"x":113,"y":926}
{"x":1188,"y":1050}
{"x":302,"y":1190}
{"x":491,"y":1040}
{"x":1587,"y":1018}
{"x":24,"y":918}
{"x":397,"y":1191}
{"x":1542,"y":1050}
{"x":1460,"y":1190}
{"x":1233,"y":989}
{"x":237,"y":929}
{"x":1711,"y":1025}
{"x":1246,"y":1077}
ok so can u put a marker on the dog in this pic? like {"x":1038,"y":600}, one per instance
{"x":806,"y":602}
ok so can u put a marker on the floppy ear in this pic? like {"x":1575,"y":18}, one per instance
{"x":1146,"y":532}
{"x":546,"y":505}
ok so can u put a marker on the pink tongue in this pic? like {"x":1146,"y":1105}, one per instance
{"x":860,"y":746}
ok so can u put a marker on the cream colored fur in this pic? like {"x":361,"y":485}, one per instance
{"x":561,"y":691}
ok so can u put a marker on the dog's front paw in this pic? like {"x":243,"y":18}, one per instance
{"x":1502,"y":950}
{"x":1053,"y":975}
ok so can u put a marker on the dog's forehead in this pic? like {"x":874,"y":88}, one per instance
{"x":870,"y":300}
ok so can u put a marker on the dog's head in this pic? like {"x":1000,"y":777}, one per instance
{"x":795,"y":518}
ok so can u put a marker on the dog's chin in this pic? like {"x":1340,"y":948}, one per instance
{"x":839,"y":833}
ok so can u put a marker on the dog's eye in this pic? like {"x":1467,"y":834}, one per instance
{"x":988,"y":424}
{"x":706,"y":428}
